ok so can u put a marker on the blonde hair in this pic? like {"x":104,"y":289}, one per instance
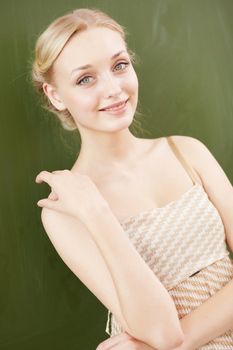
{"x":51,"y":42}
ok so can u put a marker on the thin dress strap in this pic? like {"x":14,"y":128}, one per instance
{"x":185,"y":164}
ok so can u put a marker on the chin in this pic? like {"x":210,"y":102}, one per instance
{"x":120,"y":126}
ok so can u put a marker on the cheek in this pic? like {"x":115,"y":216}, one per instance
{"x":133,"y":83}
{"x":79,"y":101}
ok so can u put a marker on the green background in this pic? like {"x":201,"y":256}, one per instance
{"x":186,"y":88}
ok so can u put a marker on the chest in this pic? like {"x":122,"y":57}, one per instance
{"x":155,"y":183}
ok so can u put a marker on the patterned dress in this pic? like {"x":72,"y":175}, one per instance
{"x":184,"y":244}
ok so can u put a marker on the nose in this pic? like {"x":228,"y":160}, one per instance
{"x":111,"y":86}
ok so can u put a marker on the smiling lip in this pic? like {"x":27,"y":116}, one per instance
{"x":118,"y":104}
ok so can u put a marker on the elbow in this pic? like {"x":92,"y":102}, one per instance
{"x":166,"y":339}
{"x":169,"y":344}
{"x":163,"y":332}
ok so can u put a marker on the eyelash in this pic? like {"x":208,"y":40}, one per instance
{"x":87,"y":76}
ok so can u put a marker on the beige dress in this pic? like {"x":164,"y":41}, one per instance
{"x":184,"y":244}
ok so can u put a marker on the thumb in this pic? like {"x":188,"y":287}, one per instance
{"x":50,"y":204}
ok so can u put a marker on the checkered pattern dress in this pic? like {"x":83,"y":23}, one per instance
{"x":184,"y":244}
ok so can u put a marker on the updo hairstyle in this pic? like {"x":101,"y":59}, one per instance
{"x":50,"y":44}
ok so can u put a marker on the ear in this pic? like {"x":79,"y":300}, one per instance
{"x":53,"y":96}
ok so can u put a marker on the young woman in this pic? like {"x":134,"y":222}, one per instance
{"x":143,"y":223}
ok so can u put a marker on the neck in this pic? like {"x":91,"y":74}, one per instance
{"x":103,"y":153}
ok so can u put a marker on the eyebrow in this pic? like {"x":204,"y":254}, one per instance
{"x":89,"y":65}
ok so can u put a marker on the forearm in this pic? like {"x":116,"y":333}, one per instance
{"x":210,"y":320}
{"x":146,"y":305}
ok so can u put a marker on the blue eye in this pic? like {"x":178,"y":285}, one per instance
{"x":83,"y":79}
{"x":124,"y":63}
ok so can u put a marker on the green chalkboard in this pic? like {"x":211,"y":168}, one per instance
{"x":185,"y":74}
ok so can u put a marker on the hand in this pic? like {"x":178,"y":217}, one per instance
{"x":123,"y":341}
{"x":75,"y":195}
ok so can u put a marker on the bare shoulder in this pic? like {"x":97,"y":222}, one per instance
{"x":188,"y":144}
{"x":203,"y":160}
{"x":192,"y":148}
{"x":57,"y":224}
{"x":50,"y":217}
{"x":183,"y":142}
{"x":195,"y":151}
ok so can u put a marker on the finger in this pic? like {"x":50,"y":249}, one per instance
{"x":113,"y":341}
{"x":44,"y":176}
{"x":47,"y":203}
{"x":57,"y":171}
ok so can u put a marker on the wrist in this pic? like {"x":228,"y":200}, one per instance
{"x":94,"y":214}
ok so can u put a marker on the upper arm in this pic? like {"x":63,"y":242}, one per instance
{"x":78,"y":250}
{"x":215,"y":181}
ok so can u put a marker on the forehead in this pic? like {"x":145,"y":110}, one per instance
{"x":89,"y":47}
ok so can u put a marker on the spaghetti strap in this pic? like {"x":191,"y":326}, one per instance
{"x":185,"y":164}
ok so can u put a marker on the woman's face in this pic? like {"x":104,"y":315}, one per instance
{"x":108,"y":80}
